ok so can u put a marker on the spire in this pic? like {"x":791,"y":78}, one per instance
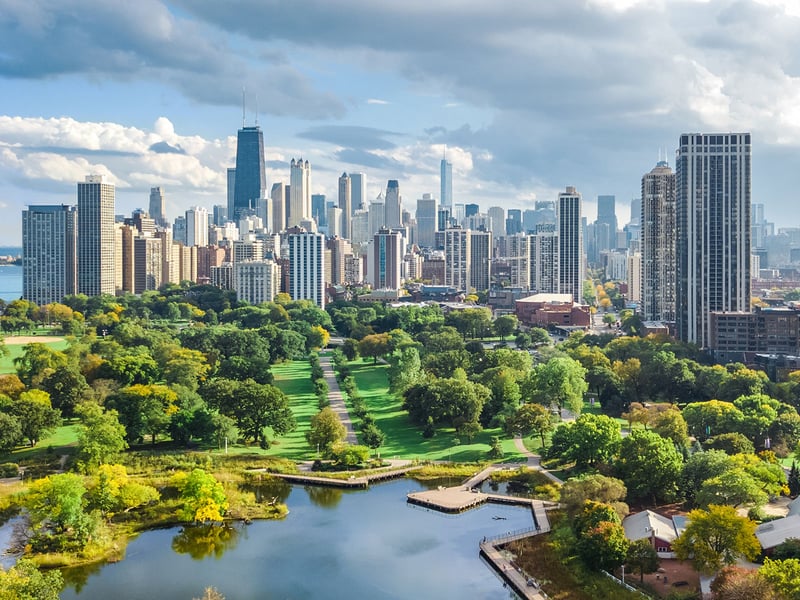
{"x":243,"y":97}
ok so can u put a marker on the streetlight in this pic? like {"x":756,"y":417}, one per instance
{"x":623,"y":573}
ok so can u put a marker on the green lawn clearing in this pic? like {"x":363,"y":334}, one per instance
{"x":62,"y":441}
{"x":404,"y":439}
{"x":15,"y":350}
{"x":294,"y":379}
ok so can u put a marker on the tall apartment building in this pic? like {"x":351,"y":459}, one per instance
{"x":256,"y":281}
{"x":96,"y":260}
{"x":544,"y":264}
{"x":197,"y":226}
{"x":570,"y":244}
{"x":713,"y":225}
{"x":48,"y":253}
{"x":497,"y":220}
{"x":358,"y":192}
{"x":480,"y":272}
{"x":299,"y":192}
{"x":657,"y":243}
{"x":278,"y":197}
{"x":457,"y":258}
{"x":250,"y":176}
{"x":306,"y":266}
{"x":386,"y":260}
{"x":345,"y":203}
{"x":426,"y":221}
{"x":148,"y":263}
{"x":518,"y":255}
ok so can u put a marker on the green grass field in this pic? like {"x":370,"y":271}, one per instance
{"x":62,"y":441}
{"x":294,"y":379}
{"x":403,"y":439}
{"x":15,"y":350}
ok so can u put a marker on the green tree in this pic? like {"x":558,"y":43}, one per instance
{"x":732,"y":443}
{"x":733,"y":487}
{"x":56,"y":508}
{"x":505,"y":325}
{"x":350,"y":349}
{"x":529,"y":420}
{"x":716,"y":537}
{"x":113,"y":491}
{"x":374,"y":346}
{"x":185,"y":367}
{"x":35,"y":415}
{"x":559,"y":382}
{"x":67,"y":387}
{"x":670,"y":424}
{"x":10,"y":432}
{"x":144,"y":410}
{"x":100,"y":436}
{"x":603,"y":546}
{"x":714,"y":417}
{"x":326,"y":430}
{"x":37,"y":361}
{"x":259,"y":406}
{"x":349,"y":455}
{"x":590,"y":439}
{"x":642,"y":557}
{"x":452,"y":401}
{"x":700,"y":467}
{"x":372,"y":436}
{"x":405,"y":369}
{"x":608,"y":490}
{"x":650,"y":466}
{"x":24,"y":581}
{"x":203,"y":497}
{"x":783,"y":575}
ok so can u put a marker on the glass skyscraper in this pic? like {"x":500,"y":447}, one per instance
{"x":250,"y":178}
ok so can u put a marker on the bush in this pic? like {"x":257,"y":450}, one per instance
{"x":9,"y":469}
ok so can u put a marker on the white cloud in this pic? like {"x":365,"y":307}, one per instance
{"x":377,"y":101}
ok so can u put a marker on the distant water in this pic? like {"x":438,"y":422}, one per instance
{"x":10,"y":275}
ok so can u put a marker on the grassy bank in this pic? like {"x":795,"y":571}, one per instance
{"x":294,"y":380}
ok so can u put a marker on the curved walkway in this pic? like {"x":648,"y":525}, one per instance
{"x":535,"y":461}
{"x":336,"y":398}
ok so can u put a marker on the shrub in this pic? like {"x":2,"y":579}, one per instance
{"x":9,"y":469}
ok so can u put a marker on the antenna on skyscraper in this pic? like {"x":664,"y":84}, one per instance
{"x":243,"y":107}
{"x":256,"y":109}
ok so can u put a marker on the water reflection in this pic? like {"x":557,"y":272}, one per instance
{"x":204,"y":541}
{"x":326,"y":497}
{"x":271,"y":491}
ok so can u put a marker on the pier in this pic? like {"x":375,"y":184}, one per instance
{"x":352,"y":482}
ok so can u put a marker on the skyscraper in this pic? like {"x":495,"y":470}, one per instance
{"x":605,"y":228}
{"x":158,"y":206}
{"x":251,"y":177}
{"x":544,"y":267}
{"x":446,"y":182}
{"x":392,"y":206}
{"x":48,"y":253}
{"x":358,"y":192}
{"x":307,"y":266}
{"x":457,"y":258}
{"x":197,"y":226}
{"x":96,"y":260}
{"x":299,"y":193}
{"x":658,"y":245}
{"x":231,"y":189}
{"x":480,"y":272}
{"x":426,"y":221}
{"x":319,"y":210}
{"x":713,"y":225}
{"x":497,"y":220}
{"x":570,"y":244}
{"x":345,"y":203}
{"x":278,"y":198}
{"x":386,"y":260}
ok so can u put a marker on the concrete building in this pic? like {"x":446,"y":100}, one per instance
{"x":480,"y":268}
{"x":358,"y":192}
{"x":544,"y":260}
{"x":713,"y":226}
{"x":392,"y":205}
{"x":148,"y":264}
{"x":552,"y":310}
{"x":426,"y":221}
{"x":256,"y":281}
{"x":299,"y":193}
{"x":457,"y":258}
{"x":346,"y":205}
{"x":307,"y":266}
{"x":497,"y":220}
{"x":657,"y":242}
{"x":570,"y":244}
{"x":446,"y":183}
{"x":518,"y":256}
{"x":386,"y":260}
{"x":158,"y":209}
{"x":197,"y":226}
{"x":49,"y":250}
{"x":96,"y":260}
{"x":278,"y":198}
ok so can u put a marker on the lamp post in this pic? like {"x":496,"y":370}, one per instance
{"x":623,"y":573}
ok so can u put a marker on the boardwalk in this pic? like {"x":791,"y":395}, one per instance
{"x":352,"y":482}
{"x":516,"y":579}
{"x":337,"y":399}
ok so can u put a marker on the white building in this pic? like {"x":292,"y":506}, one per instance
{"x":257,"y":281}
{"x":307,"y":266}
{"x":96,"y":259}
{"x":299,"y":192}
{"x":197,"y":226}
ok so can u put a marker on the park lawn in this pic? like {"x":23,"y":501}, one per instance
{"x":62,"y":441}
{"x":404,"y":439}
{"x":15,"y":350}
{"x":294,"y":379}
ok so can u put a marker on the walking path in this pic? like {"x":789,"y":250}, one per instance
{"x":535,"y":461}
{"x":336,"y":398}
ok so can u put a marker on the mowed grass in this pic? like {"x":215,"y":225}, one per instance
{"x":403,"y":438}
{"x":294,"y":380}
{"x":62,"y":441}
{"x":15,"y":350}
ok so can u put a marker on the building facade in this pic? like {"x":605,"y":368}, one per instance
{"x":657,"y":243}
{"x":48,"y":253}
{"x":306,"y":266}
{"x":96,"y":259}
{"x":570,"y":244}
{"x":299,"y":193}
{"x":250,"y":177}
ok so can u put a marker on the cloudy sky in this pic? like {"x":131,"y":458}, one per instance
{"x":527,"y":97}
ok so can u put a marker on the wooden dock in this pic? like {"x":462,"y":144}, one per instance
{"x":350,"y":483}
{"x":513,"y":577}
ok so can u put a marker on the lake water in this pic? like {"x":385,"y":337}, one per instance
{"x":333,"y":544}
{"x":10,"y":282}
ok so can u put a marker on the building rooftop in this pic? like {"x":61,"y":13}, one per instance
{"x":646,"y":524}
{"x":559,"y":298}
{"x":776,"y":532}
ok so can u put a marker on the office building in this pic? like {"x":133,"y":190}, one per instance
{"x":278,"y":197}
{"x":518,"y":256}
{"x":197,"y":226}
{"x":48,"y":253}
{"x":179,"y":229}
{"x":446,"y":183}
{"x":220,"y":215}
{"x":570,"y":244}
{"x":514,"y":221}
{"x":148,"y":263}
{"x":250,"y":178}
{"x":713,"y":225}
{"x":96,"y":259}
{"x":319,"y":210}
{"x":158,"y":210}
{"x":307,"y":266}
{"x":392,"y":205}
{"x":358,"y":192}
{"x":426,"y":221}
{"x":657,"y":243}
{"x":335,"y":220}
{"x":345,"y":203}
{"x":497,"y":220}
{"x":299,"y":193}
{"x":231,"y":189}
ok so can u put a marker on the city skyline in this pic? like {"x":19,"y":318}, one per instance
{"x":161,"y":109}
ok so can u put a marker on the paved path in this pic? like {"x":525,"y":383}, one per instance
{"x":336,"y":398}
{"x":535,"y":461}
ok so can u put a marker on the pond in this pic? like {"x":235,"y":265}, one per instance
{"x":333,"y":544}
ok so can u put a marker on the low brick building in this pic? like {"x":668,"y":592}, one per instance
{"x":551,"y":310}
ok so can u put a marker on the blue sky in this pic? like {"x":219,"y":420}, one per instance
{"x":528,"y":97}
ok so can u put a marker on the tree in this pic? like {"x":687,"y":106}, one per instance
{"x":350,"y":349}
{"x":650,"y":466}
{"x":783,"y":575}
{"x":185,"y":367}
{"x":374,"y":346}
{"x":372,"y":436}
{"x":451,"y":401}
{"x":739,"y":583}
{"x":204,"y":498}
{"x":100,"y":436}
{"x":404,"y":369}
{"x":35,"y":415}
{"x":349,"y":455}
{"x":318,"y":337}
{"x":560,"y":382}
{"x":24,"y":581}
{"x":590,"y":439}
{"x":716,"y":537}
{"x":326,"y":430}
{"x":144,"y":410}
{"x":259,"y":406}
{"x":643,"y":557}
{"x":789,"y":548}
{"x":670,"y":424}
{"x":529,"y":420}
{"x":608,"y":490}
{"x":733,"y":487}
{"x":113,"y":491}
{"x":10,"y":432}
{"x":793,"y":480}
{"x":732,"y":443}
{"x":36,"y":362}
{"x":56,"y":508}
{"x":505,"y":325}
{"x":67,"y":387}
{"x":700,"y":467}
{"x":706,"y":419}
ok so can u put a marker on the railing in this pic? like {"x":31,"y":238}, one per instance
{"x":628,"y":587}
{"x":512,"y":536}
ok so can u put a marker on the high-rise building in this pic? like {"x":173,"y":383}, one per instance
{"x":471,"y":209}
{"x":299,"y":193}
{"x":426,"y":221}
{"x":392,"y":206}
{"x":345,"y":203}
{"x":377,"y":215}
{"x":179,"y":229}
{"x":514,"y":221}
{"x":96,"y":259}
{"x":335,"y":218}
{"x":148,"y":263}
{"x":158,"y":206}
{"x":713,"y":225}
{"x":657,"y":243}
{"x":457,"y":258}
{"x":256,"y":281}
{"x":48,"y":253}
{"x":386,"y":260}
{"x":446,"y":182}
{"x":497,"y":220}
{"x":358,"y":191}
{"x":480,"y":272}
{"x":307,"y":266}
{"x":544,"y":253}
{"x":278,"y":196}
{"x":319,"y":210}
{"x":604,"y":236}
{"x":197,"y":226}
{"x":570,"y":244}
{"x":220,"y":215}
{"x":251,"y":177}
{"x":518,"y":256}
{"x":231,"y":189}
